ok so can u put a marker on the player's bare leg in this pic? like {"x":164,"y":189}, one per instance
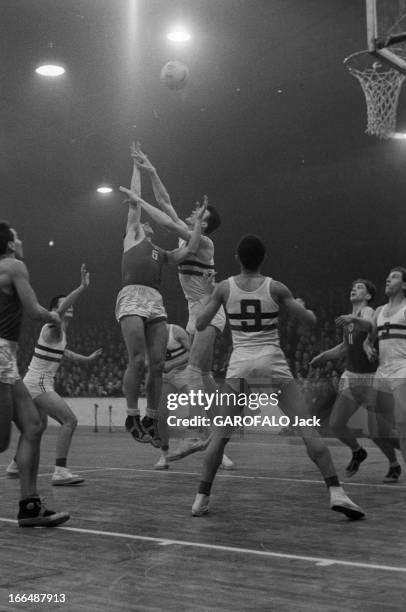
{"x":156,"y":340}
{"x":132,"y":328}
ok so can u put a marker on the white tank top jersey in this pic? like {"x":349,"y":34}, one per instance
{"x":47,"y":357}
{"x":176,"y":354}
{"x":196,"y":274}
{"x":253,"y":316}
{"x":392,"y":337}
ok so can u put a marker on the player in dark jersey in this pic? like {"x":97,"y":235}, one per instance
{"x":141,"y":313}
{"x":197,"y":278}
{"x":16,"y":295}
{"x":355,"y":387}
{"x":252,"y":302}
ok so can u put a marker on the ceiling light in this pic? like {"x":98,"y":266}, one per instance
{"x":178,"y":36}
{"x":50,"y":70}
{"x":104,"y":189}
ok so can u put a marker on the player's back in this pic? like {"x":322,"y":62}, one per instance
{"x":253,"y":313}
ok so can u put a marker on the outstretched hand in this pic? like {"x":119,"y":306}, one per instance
{"x":140,"y":158}
{"x":343,"y":320}
{"x":131,"y":194}
{"x":95,"y":354}
{"x":202,"y":209}
{"x":84,"y":276}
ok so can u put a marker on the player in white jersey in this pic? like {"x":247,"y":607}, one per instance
{"x":389,"y":326}
{"x":40,"y":379}
{"x":196,"y":275}
{"x":252,"y":302}
{"x":174,"y":381}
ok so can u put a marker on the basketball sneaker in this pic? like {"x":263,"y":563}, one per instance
{"x":64,"y":477}
{"x":134,"y":427}
{"x":200,"y":505}
{"x":358,"y":457}
{"x":340,"y":502}
{"x":150,"y":426}
{"x":34,"y":513}
{"x":226,"y":463}
{"x":393,"y":474}
{"x":188,"y":446}
{"x":12,"y":470}
{"x":161,"y":464}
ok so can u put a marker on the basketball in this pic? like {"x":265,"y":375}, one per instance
{"x":174,"y":75}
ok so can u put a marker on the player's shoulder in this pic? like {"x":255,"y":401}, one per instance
{"x":367,"y":312}
{"x":12,"y":266}
{"x":278,"y":289}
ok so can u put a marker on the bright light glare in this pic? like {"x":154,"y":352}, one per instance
{"x":104,"y":189}
{"x":178,"y":36}
{"x":51,"y":243}
{"x":399,"y":135}
{"x":50,"y":70}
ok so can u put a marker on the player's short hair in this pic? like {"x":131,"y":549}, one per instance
{"x":402,"y":271}
{"x":251,"y":252}
{"x":6,"y":236}
{"x":54,"y":302}
{"x":213,"y":221}
{"x":369,"y":285}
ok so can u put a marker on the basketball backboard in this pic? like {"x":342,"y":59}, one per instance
{"x":386,"y":31}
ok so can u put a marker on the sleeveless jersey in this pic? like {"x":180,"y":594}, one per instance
{"x":142,"y":265}
{"x":356,"y":359}
{"x":11,"y":315}
{"x":47,"y":357}
{"x":196,"y":274}
{"x":392,"y":337}
{"x":253,"y":316}
{"x":176,"y":354}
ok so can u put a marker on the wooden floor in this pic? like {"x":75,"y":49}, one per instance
{"x":270,"y":543}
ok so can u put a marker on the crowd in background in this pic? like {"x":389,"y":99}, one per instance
{"x":103,"y":377}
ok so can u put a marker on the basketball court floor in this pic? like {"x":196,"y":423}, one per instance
{"x":270,"y":542}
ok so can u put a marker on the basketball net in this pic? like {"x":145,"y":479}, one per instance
{"x":381,"y":89}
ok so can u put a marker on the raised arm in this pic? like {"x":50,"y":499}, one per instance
{"x":217,"y":298}
{"x":21,"y":281}
{"x":73,"y":296}
{"x":160,"y":192}
{"x":159,"y":216}
{"x":294,"y":307}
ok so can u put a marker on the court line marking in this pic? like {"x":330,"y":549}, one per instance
{"x":84,"y":469}
{"x":320,"y":561}
{"x":240,"y":476}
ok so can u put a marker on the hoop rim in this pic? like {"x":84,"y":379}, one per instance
{"x":347,"y":59}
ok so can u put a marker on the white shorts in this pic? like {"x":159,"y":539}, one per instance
{"x":142,"y":301}
{"x":38,"y":384}
{"x":176,"y":378}
{"x":194,"y":307}
{"x":390,"y":378}
{"x":359,"y":382}
{"x":8,"y":361}
{"x":261,"y":368}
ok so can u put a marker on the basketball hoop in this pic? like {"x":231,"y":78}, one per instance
{"x":381,"y":86}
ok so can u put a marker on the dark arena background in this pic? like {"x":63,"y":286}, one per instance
{"x":271,"y":126}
